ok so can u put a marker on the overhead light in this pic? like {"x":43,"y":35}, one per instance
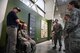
{"x":64,"y":0}
{"x":56,"y":8}
{"x":59,"y":15}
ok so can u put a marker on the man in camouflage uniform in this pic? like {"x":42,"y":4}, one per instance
{"x":57,"y":30}
{"x":66,"y":35}
{"x":73,"y":28}
{"x":26,"y":40}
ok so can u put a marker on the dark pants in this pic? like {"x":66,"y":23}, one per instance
{"x":12,"y":39}
{"x":59,"y":39}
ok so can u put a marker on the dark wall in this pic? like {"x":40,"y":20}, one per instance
{"x":49,"y":28}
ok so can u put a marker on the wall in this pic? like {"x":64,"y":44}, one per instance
{"x":3,"y":5}
{"x":49,"y":9}
{"x":49,"y":29}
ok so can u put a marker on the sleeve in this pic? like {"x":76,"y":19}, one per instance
{"x":61,"y":29}
{"x":53,"y":28}
{"x":25,"y":34}
{"x":73,"y":22}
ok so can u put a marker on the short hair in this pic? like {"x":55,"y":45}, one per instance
{"x":67,"y":15}
{"x":56,"y":19}
{"x":75,"y":3}
{"x":17,"y":9}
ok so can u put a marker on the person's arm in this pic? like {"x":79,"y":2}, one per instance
{"x":53,"y":29}
{"x":17,"y":19}
{"x":60,"y":29}
{"x":25,"y":34}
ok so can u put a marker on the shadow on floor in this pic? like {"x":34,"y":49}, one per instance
{"x":52,"y":51}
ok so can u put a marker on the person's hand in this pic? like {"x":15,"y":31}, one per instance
{"x":65,"y":36}
{"x":25,"y":39}
{"x":53,"y":32}
{"x":21,"y":24}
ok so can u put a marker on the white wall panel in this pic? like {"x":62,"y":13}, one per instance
{"x":3,"y":5}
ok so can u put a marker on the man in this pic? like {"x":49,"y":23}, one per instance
{"x":26,"y":40}
{"x":12,"y":25}
{"x":57,"y":30}
{"x":73,"y":29}
{"x":66,"y":35}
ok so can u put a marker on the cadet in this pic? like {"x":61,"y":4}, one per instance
{"x":66,"y":35}
{"x":73,"y":29}
{"x":26,"y":40}
{"x":12,"y":26}
{"x":57,"y":30}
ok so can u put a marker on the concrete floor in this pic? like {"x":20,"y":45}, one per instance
{"x":46,"y":47}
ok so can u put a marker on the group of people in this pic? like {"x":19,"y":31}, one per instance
{"x":71,"y":31}
{"x":17,"y":30}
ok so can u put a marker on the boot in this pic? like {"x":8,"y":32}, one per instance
{"x":54,"y":47}
{"x":60,"y":48}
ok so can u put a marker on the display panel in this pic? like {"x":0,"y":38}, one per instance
{"x":43,"y":29}
{"x":31,"y":24}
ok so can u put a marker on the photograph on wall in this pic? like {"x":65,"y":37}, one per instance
{"x":43,"y":29}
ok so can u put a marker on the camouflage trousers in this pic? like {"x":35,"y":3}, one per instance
{"x":11,"y":40}
{"x":30,"y":46}
{"x":27,"y":46}
{"x":33,"y":45}
{"x":66,"y":42}
{"x":74,"y":45}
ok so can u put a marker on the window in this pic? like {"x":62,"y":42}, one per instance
{"x":40,"y":3}
{"x":36,"y":5}
{"x":40,"y":12}
{"x":27,"y":2}
{"x":34,"y":8}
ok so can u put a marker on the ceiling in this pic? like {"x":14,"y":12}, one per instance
{"x":60,"y":7}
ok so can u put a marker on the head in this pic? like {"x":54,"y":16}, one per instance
{"x":72,"y":4}
{"x":66,"y":17}
{"x":24,"y":26}
{"x":56,"y":21}
{"x":16,"y":9}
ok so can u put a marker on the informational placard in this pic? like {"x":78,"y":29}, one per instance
{"x":32,"y":25}
{"x":43,"y":29}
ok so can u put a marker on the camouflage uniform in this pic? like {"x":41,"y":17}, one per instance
{"x":73,"y":29}
{"x":57,"y":28}
{"x":30,"y":44}
{"x":24,"y":42}
{"x":66,"y":38}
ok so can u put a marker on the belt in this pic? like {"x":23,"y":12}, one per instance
{"x":12,"y":26}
